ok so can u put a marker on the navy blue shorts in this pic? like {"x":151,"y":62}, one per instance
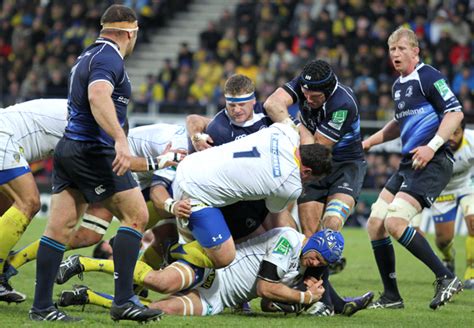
{"x":346,"y":178}
{"x":244,"y":217}
{"x":426,"y":184}
{"x":87,"y":166}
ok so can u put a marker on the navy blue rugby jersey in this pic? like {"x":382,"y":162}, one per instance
{"x":337,"y":119}
{"x":101,"y":61}
{"x":222,"y":130}
{"x":421,"y":99}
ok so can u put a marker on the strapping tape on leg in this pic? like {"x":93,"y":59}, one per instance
{"x":379,"y":209}
{"x":402,"y":209}
{"x":94,"y":223}
{"x":337,"y":208}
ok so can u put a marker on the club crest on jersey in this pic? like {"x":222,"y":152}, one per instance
{"x":409,"y":91}
{"x":396,"y":96}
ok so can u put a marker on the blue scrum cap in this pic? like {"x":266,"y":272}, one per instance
{"x":328,"y":243}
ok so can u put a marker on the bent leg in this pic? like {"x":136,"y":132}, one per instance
{"x":181,"y":304}
{"x":23,"y":192}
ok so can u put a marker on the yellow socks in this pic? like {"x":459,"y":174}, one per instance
{"x":100,"y":299}
{"x":141,"y":271}
{"x":24,"y":255}
{"x":193,"y":253}
{"x":12,"y":225}
{"x":91,"y":264}
{"x":105,"y":300}
{"x":469,"y":274}
{"x":152,"y":258}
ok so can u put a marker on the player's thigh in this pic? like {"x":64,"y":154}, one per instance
{"x":129,"y":207}
{"x":66,"y":209}
{"x":310,"y":215}
{"x":24,"y":193}
{"x":180,"y":304}
{"x":443,"y":214}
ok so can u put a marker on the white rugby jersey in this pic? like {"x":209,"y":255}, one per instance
{"x":262,"y":165}
{"x":37,"y":125}
{"x":463,"y":163}
{"x":280,"y":246}
{"x":151,"y":141}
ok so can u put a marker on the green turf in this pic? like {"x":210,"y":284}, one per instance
{"x":359,"y":276}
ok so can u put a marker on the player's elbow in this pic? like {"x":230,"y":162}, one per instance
{"x":455,"y":117}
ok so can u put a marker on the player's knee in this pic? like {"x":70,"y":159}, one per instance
{"x":442,"y":241}
{"x":30,"y":205}
{"x":375,"y":228}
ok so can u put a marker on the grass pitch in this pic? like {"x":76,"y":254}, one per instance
{"x":360,"y":275}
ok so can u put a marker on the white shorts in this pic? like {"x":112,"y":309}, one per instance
{"x":446,"y":206}
{"x":11,"y":153}
{"x":210,"y":295}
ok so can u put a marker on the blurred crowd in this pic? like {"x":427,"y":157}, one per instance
{"x":271,"y":40}
{"x":40,"y":40}
{"x":268,"y":40}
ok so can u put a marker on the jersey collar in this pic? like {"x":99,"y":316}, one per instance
{"x":110,"y":42}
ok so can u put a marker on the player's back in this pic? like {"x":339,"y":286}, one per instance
{"x":37,"y":125}
{"x":151,"y":141}
{"x":260,"y":166}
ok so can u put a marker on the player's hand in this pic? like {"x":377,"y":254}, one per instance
{"x":201,"y":141}
{"x":422,"y":155}
{"x":366,"y":145}
{"x":122,"y":161}
{"x":170,"y":157}
{"x":182,"y":209}
{"x":316,"y":288}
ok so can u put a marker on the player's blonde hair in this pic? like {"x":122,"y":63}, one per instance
{"x":406,"y":32}
{"x":238,"y":84}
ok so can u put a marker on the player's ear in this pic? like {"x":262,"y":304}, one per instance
{"x":306,"y":172}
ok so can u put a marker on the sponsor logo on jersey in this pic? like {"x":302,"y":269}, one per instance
{"x":123,"y":100}
{"x":443,"y":89}
{"x":409,"y":112}
{"x":275,"y":155}
{"x":445,"y":198}
{"x":338,"y":118}
{"x":283,"y":246}
{"x":209,"y":280}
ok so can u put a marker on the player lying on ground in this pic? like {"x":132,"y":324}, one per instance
{"x":269,"y":266}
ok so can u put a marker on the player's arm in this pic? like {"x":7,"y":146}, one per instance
{"x":277,"y":105}
{"x":390,"y":131}
{"x":103,"y":110}
{"x":196,"y":125}
{"x":423,"y":154}
{"x":169,"y":157}
{"x":306,"y":137}
{"x":269,"y":287}
{"x":162,"y":200}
